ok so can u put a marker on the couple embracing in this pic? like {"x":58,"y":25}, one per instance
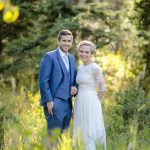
{"x":59,"y":81}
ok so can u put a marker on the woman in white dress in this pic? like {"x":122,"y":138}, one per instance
{"x":88,"y":117}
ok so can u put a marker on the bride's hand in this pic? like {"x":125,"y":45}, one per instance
{"x":101,"y":94}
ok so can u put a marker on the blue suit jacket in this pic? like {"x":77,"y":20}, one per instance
{"x":52,"y":72}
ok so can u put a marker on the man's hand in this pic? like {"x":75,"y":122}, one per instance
{"x":50,"y":107}
{"x":73,"y":90}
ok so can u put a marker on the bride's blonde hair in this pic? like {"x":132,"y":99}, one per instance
{"x":88,"y":43}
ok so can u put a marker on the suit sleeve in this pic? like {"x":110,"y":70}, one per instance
{"x":75,"y":74}
{"x":46,"y":66}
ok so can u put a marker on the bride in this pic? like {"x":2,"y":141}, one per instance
{"x":88,"y":117}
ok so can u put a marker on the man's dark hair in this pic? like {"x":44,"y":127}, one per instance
{"x":64,"y":32}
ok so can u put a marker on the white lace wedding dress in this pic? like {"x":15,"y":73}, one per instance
{"x":88,"y":117}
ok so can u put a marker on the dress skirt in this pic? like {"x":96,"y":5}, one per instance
{"x":88,"y":119}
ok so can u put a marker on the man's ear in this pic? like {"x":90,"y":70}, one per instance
{"x":57,"y":42}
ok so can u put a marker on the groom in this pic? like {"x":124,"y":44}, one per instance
{"x":57,"y":83}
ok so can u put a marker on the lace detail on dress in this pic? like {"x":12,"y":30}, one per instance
{"x":90,"y":77}
{"x":99,"y":78}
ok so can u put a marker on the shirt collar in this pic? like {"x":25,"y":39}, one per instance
{"x":62,"y":54}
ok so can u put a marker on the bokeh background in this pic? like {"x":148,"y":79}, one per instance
{"x":121,"y":31}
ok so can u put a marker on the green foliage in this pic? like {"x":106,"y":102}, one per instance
{"x":133,"y":103}
{"x":141,"y":19}
{"x":29,"y":129}
{"x":23,"y":121}
{"x":36,"y":30}
{"x":7,"y":117}
{"x":122,"y":51}
{"x":142,"y":7}
{"x":127,"y":118}
{"x":24,"y":42}
{"x":1,"y":128}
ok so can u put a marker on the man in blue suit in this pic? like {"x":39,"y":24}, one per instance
{"x":57,"y":83}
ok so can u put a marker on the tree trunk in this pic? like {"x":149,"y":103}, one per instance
{"x":1,"y":132}
{"x":13,"y":84}
{"x":1,"y":49}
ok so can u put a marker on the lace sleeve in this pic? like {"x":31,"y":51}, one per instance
{"x":99,"y":78}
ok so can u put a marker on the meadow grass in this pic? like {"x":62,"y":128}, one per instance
{"x":24,"y":127}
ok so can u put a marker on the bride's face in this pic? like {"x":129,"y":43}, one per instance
{"x":85,"y":54}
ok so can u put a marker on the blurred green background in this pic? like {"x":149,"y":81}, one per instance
{"x":121,"y":31}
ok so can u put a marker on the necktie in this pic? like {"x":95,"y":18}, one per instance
{"x":66,"y":62}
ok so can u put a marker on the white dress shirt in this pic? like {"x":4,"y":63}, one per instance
{"x":65,"y":59}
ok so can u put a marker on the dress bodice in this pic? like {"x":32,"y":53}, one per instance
{"x":90,"y":77}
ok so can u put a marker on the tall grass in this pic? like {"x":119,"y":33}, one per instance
{"x":24,"y":127}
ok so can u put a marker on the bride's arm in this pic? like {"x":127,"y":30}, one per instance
{"x":99,"y":78}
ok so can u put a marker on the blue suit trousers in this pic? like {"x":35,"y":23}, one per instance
{"x":62,"y":112}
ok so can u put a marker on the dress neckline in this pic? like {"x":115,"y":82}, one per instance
{"x":88,"y":64}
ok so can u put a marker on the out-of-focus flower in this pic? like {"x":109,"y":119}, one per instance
{"x":7,"y":16}
{"x":11,"y":14}
{"x":1,"y":5}
{"x":15,"y":13}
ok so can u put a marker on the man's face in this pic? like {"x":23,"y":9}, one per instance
{"x":65,"y":43}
